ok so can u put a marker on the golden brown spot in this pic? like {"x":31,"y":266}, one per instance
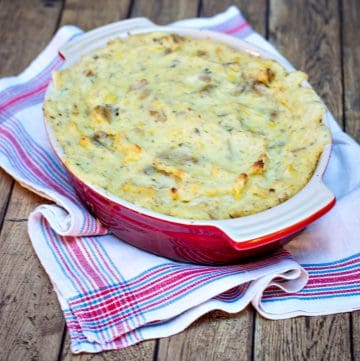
{"x":236,"y":214}
{"x":258,"y":167}
{"x":75,"y":110}
{"x":239,"y":185}
{"x":207,"y":88}
{"x":101,"y":113}
{"x":201,"y":53}
{"x":102,"y":137}
{"x":284,"y":198}
{"x":266,"y":76}
{"x":88,"y":72}
{"x":259,"y":164}
{"x":243,"y":176}
{"x":177,"y":38}
{"x":169,"y":170}
{"x":174,"y":193}
{"x":159,"y":116}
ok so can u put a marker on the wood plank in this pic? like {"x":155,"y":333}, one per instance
{"x":165,"y":11}
{"x":254,"y":11}
{"x":26,"y":28}
{"x":214,"y":337}
{"x":307,"y":33}
{"x":303,"y":338}
{"x":6,"y":184}
{"x":351,"y":64}
{"x":88,"y":15}
{"x":91,"y":14}
{"x":356,"y":335}
{"x":31,"y":321}
{"x":316,"y":50}
{"x":29,"y":315}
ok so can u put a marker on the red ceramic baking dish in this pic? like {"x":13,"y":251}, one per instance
{"x":196,"y":241}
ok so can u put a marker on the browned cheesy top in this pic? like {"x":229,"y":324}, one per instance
{"x":188,"y":128}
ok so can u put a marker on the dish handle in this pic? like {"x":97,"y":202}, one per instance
{"x":282,"y":221}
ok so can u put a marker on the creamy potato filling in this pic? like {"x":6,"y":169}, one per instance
{"x":189,"y":128}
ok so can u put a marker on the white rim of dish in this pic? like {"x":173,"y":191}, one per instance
{"x":311,"y":199}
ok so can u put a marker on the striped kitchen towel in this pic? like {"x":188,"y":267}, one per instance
{"x":114,"y":295}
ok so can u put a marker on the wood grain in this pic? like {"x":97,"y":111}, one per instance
{"x":254,"y":11}
{"x":214,"y":337}
{"x":91,"y":14}
{"x":351,"y":63}
{"x":6,"y":184}
{"x":31,"y":321}
{"x":355,"y":335}
{"x":26,"y":28}
{"x":308,"y":34}
{"x":303,"y":338}
{"x":165,"y":11}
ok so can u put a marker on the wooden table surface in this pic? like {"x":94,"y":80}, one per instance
{"x":318,"y":36}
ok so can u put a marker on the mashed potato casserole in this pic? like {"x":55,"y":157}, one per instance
{"x":188,"y":128}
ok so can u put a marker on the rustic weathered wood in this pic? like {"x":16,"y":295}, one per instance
{"x":214,"y":337}
{"x":91,"y":14}
{"x":5,"y":191}
{"x":303,"y":338}
{"x":355,"y":335}
{"x":308,"y":34}
{"x":351,"y":63}
{"x":254,"y":11}
{"x":165,"y":11}
{"x":26,"y":27}
{"x":31,"y":321}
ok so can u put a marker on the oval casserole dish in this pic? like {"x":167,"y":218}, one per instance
{"x":198,"y":241}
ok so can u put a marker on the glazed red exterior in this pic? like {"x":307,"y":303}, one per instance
{"x":181,"y":240}
{"x":201,"y":244}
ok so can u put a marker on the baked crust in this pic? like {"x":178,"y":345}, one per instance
{"x":189,"y":128}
